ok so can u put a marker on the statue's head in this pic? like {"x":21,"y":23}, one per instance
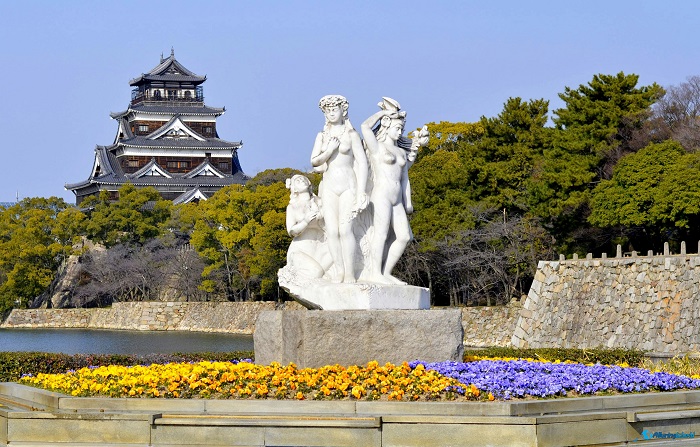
{"x":331,"y":103}
{"x":391,"y":126}
{"x":298,"y":183}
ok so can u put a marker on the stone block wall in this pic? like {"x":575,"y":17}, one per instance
{"x":490,"y":326}
{"x":648,"y":303}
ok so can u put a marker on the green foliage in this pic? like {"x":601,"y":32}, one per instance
{"x":504,"y":157}
{"x":448,"y":136}
{"x":476,"y":165}
{"x":14,"y":365}
{"x":270,"y":176}
{"x":138,"y":215}
{"x":603,"y":356}
{"x":589,"y":137}
{"x":594,"y":112}
{"x":657,"y":189}
{"x":440,"y":197}
{"x":36,"y":235}
{"x":242,"y":236}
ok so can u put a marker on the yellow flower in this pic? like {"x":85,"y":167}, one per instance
{"x":357,"y":392}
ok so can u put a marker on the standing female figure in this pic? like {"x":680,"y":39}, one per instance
{"x":391,"y":195}
{"x":339,"y":154}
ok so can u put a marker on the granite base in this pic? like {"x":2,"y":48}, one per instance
{"x":316,"y":338}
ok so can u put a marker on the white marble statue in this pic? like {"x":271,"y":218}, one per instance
{"x":339,"y":155}
{"x":348,"y":239}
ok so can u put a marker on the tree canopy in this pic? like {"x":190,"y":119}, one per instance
{"x":36,"y":235}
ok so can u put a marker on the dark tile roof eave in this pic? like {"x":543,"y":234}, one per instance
{"x":224,"y":145}
{"x":165,"y":78}
{"x":238,"y":178}
{"x":170,"y":182}
{"x":174,"y":110}
{"x":79,"y":185}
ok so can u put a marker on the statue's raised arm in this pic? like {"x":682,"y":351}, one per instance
{"x":390,"y":196}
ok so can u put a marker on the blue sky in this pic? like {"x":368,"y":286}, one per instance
{"x":66,"y":66}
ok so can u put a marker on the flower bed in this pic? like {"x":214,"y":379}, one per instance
{"x":480,"y":379}
{"x":243,"y":380}
{"x":517,"y":378}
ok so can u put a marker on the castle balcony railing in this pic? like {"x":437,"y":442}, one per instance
{"x":180,"y":101}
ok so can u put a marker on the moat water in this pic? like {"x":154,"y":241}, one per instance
{"x":98,"y":341}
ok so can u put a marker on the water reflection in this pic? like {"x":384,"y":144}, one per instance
{"x":98,"y":341}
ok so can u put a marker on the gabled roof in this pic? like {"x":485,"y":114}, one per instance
{"x":150,"y":169}
{"x":168,"y":70}
{"x":189,"y":196}
{"x":175,"y":128}
{"x":204,"y":170}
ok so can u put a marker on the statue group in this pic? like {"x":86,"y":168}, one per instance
{"x":356,"y":228}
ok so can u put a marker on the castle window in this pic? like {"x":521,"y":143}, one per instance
{"x":223,"y":165}
{"x":178,"y":164}
{"x":143,"y":128}
{"x":188,"y":94}
{"x":207,"y":130}
{"x":132,"y":163}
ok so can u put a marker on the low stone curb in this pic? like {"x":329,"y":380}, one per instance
{"x":29,"y":416}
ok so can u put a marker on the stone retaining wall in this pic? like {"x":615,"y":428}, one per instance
{"x":649,"y":303}
{"x":236,"y":318}
{"x":483,"y":326}
{"x":490,"y":326}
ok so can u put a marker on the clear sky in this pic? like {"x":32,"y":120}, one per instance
{"x":65,"y":65}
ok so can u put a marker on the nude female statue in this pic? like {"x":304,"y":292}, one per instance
{"x":391,"y":193}
{"x":308,"y":253}
{"x":339,"y":154}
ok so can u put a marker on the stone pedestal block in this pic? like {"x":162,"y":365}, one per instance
{"x":317,"y":338}
{"x":324,"y":295}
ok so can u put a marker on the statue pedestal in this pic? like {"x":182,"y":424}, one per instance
{"x":311,"y":338}
{"x":365,"y":296}
{"x":321,"y":294}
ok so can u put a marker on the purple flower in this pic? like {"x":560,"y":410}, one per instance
{"x":506,"y":379}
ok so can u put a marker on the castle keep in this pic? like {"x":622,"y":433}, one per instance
{"x":167,"y":139}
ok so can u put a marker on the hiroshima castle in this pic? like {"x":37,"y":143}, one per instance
{"x":167,"y":139}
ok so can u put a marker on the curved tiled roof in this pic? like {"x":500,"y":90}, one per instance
{"x":180,"y":143}
{"x":169,"y":109}
{"x":169,"y":70}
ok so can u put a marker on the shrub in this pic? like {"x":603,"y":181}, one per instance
{"x":603,"y":356}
